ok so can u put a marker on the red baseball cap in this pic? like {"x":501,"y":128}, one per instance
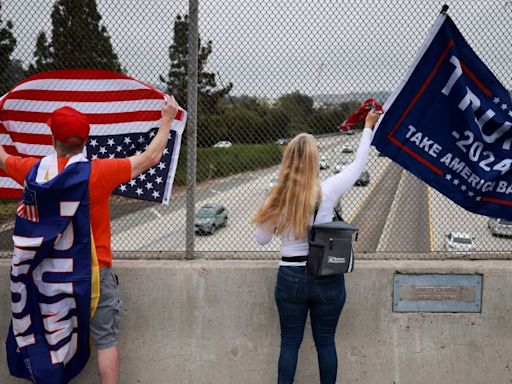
{"x":66,"y":123}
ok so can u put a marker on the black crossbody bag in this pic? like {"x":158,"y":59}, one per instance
{"x":330,"y":247}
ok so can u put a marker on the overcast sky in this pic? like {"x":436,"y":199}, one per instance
{"x":267,"y":48}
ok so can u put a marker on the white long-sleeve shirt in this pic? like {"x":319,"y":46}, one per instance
{"x":332,"y":189}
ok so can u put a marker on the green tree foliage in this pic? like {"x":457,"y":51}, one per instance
{"x":209,"y":94}
{"x":79,"y":40}
{"x":42,"y":55}
{"x":247,"y":120}
{"x":7,"y":45}
{"x":299,"y":108}
{"x":15,"y":72}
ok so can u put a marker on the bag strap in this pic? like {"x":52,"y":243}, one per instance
{"x":336,"y":213}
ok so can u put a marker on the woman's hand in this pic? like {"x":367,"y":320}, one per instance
{"x":371,"y":118}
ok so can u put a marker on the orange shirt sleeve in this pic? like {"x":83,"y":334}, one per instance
{"x":109,"y":173}
{"x":18,"y":167}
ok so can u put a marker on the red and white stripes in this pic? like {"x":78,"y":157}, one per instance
{"x":114,"y":104}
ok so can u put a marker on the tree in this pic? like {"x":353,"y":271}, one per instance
{"x":297,"y":104}
{"x":7,"y":45}
{"x":78,"y":38}
{"x":299,"y":108}
{"x":209,"y":94}
{"x":42,"y":54}
{"x":15,"y":72}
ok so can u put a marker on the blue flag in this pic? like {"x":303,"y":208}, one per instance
{"x":48,"y":340}
{"x":450,"y":123}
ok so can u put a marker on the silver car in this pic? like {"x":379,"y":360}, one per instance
{"x":500,"y":227}
{"x":459,"y":241}
{"x":324,"y":164}
{"x":347,"y":148}
{"x":209,"y":218}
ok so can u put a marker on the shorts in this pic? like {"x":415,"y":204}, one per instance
{"x":104,"y":326}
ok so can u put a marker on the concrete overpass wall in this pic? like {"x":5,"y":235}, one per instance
{"x":216,"y":322}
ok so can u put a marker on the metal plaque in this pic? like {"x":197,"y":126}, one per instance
{"x":437,"y":293}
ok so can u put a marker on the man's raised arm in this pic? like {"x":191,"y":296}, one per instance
{"x":152,"y":155}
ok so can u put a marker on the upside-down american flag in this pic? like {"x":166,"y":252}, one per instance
{"x":124,"y":114}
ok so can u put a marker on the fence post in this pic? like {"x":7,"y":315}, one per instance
{"x":193,"y":37}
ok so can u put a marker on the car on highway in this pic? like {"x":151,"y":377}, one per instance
{"x":364,"y":179}
{"x":347,"y":148}
{"x":459,"y":241}
{"x":223,"y":144}
{"x":209,"y":218}
{"x":324,"y":164}
{"x":500,"y":227}
{"x":282,"y":141}
{"x":340,"y":166}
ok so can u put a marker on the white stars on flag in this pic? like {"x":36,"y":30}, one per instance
{"x":462,"y":186}
{"x":503,"y":105}
{"x":149,"y":185}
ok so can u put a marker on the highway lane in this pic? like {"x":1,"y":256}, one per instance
{"x":375,"y":209}
{"x":161,"y":229}
{"x":408,"y":226}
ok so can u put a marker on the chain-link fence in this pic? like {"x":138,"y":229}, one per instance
{"x":267,"y":71}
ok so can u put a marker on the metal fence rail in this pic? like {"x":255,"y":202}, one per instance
{"x":267,"y":70}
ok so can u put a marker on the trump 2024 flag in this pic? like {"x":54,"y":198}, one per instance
{"x":450,"y":123}
{"x":124,"y":114}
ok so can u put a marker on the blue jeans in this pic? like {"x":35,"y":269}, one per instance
{"x":296,"y":292}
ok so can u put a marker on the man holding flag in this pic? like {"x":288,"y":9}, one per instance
{"x":62,"y":223}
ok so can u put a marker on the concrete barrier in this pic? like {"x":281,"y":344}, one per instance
{"x":216,"y":322}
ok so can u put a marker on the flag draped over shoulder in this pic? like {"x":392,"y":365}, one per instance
{"x":450,"y":124}
{"x":48,"y":340}
{"x":124,"y":114}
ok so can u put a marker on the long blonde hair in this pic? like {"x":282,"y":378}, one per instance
{"x":291,"y":201}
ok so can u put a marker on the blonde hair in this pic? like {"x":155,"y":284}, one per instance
{"x":291,"y":201}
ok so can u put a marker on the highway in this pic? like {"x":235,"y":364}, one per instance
{"x":396,"y":212}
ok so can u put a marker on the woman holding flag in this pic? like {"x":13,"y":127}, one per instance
{"x":287,"y":212}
